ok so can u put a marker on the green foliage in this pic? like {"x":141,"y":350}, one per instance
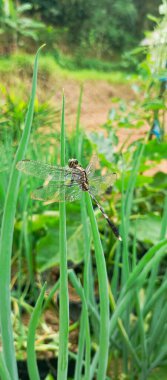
{"x":49,"y":68}
{"x":79,"y":61}
{"x":99,"y":29}
{"x":159,"y":374}
{"x":6,"y":238}
{"x":14,"y":112}
{"x":148,"y":228}
{"x":15,"y":27}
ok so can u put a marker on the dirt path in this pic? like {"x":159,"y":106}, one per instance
{"x":96,"y":100}
{"x":96,"y":104}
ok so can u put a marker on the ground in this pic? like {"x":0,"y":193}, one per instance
{"x":98,"y":91}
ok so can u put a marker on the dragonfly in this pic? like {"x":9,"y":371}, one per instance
{"x":67,"y":183}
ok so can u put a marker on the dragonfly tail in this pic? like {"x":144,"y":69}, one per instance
{"x":114,"y":229}
{"x":111,"y":224}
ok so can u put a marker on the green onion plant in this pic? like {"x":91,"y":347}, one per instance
{"x":6,"y":239}
{"x":122,"y":326}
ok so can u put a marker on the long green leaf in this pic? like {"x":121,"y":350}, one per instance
{"x":103,"y":292}
{"x":136,"y":280}
{"x":31,"y":357}
{"x":7,"y":238}
{"x":4,"y":373}
{"x":64,"y":301}
{"x":85,"y":326}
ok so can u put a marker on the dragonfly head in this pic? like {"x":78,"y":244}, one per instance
{"x":72,"y":163}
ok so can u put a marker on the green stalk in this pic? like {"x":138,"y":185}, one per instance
{"x":80,"y":352}
{"x":28,"y":251}
{"x":4,"y":373}
{"x":164,"y":219}
{"x":122,"y":330}
{"x":153,"y":277}
{"x":86,"y":336}
{"x":86,"y":281}
{"x":86,"y":235}
{"x":78,"y":134}
{"x":132,"y":182}
{"x":158,"y":328}
{"x":103,"y":293}
{"x":136,"y":280}
{"x":51,"y":294}
{"x":7,"y":238}
{"x":31,"y":356}
{"x":94,"y":364}
{"x":157,"y":295}
{"x":64,"y":299}
{"x":144,"y":353}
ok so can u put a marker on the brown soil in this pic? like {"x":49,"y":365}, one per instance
{"x":96,"y":100}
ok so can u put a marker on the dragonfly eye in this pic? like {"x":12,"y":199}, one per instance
{"x":72,"y":163}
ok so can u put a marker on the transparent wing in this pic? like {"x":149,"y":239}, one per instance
{"x":44,"y":171}
{"x":53,"y":193}
{"x":93,"y":164}
{"x":99,"y":184}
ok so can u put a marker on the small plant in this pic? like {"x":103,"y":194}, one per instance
{"x":15,"y":27}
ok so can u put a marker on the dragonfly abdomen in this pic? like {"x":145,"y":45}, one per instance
{"x":111,"y":224}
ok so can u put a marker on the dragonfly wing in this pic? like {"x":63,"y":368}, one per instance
{"x":52,"y":193}
{"x":92,"y":165}
{"x":44,"y":171}
{"x":101,"y":184}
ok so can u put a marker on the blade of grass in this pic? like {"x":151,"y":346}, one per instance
{"x":164,"y":219}
{"x":78,"y":140}
{"x":28,"y":250}
{"x":157,"y":329}
{"x":123,"y":331}
{"x":94,"y":364}
{"x":81,"y":342}
{"x":7,"y":238}
{"x":85,"y":326}
{"x":125,"y":271}
{"x":31,"y":356}
{"x":126,"y":206}
{"x":64,"y":298}
{"x":86,"y":237}
{"x":136,"y":279}
{"x":51,"y":294}
{"x":153,"y":277}
{"x":144,"y":352}
{"x":4,"y":373}
{"x":154,"y":253}
{"x":150,"y":303}
{"x":159,"y":358}
{"x":132,"y":181}
{"x":141,"y":327}
{"x":103,"y":293}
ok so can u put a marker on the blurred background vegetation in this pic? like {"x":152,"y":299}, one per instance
{"x":81,"y":29}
